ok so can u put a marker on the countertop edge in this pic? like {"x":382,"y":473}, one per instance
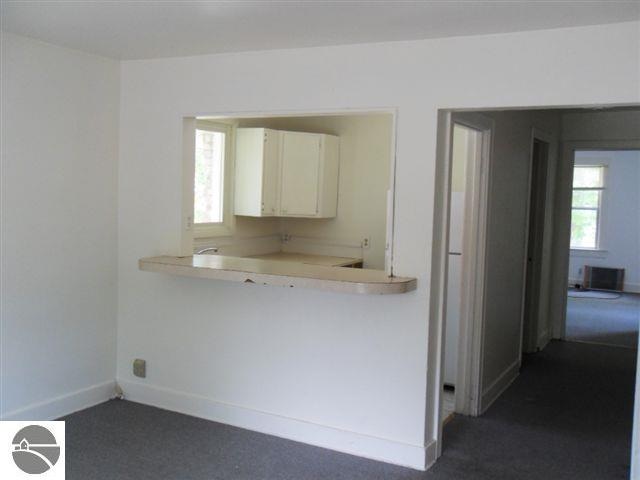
{"x":176,"y":266}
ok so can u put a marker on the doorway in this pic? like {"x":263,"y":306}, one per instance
{"x":603,"y":298}
{"x":535,"y":242}
{"x":469,"y":146}
{"x":466,"y":142}
{"x":514,"y":296}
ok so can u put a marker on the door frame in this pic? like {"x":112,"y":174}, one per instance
{"x":541,"y":135}
{"x":562,"y":221}
{"x":471,"y":336}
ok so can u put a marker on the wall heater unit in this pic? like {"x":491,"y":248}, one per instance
{"x":603,"y":278}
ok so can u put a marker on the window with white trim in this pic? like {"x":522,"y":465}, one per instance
{"x":210,"y":184}
{"x":586,"y":206}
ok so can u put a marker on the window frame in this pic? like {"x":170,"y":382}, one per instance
{"x":599,"y":209}
{"x":224,"y":228}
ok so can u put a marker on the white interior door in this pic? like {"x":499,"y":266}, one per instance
{"x":300,"y":171}
{"x":454,"y":297}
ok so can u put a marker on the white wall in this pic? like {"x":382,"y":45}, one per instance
{"x":59,"y":187}
{"x":365,"y":150}
{"x":620,"y":218}
{"x":348,"y":372}
{"x":608,"y":125}
{"x":635,"y":441}
{"x":506,"y":243}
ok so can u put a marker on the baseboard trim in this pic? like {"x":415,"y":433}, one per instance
{"x":362,"y":445}
{"x":57,"y":407}
{"x":544,"y":339}
{"x":431,"y":454}
{"x":499,"y":385}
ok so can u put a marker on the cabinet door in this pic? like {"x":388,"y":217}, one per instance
{"x":249,"y":171}
{"x":270,"y":172}
{"x":300,"y":174}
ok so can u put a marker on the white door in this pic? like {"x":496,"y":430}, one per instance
{"x":454,"y":282}
{"x":300,"y":174}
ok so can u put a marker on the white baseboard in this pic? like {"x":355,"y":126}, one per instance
{"x":431,"y":454}
{"x":499,"y":385}
{"x":544,"y":339}
{"x":375,"y":448}
{"x":57,"y":407}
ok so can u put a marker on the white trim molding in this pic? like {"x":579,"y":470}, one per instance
{"x":470,"y":339}
{"x":62,"y":405}
{"x":354,"y":443}
{"x":499,"y":385}
{"x":588,"y":252}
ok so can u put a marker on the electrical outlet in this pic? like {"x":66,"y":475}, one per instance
{"x":366,"y":242}
{"x":285,"y":238}
{"x":140,"y":368}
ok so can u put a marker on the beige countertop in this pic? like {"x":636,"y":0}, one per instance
{"x":309,"y":259}
{"x":280,"y":273}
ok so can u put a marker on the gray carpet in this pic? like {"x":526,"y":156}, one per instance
{"x":567,"y":416}
{"x":605,"y":321}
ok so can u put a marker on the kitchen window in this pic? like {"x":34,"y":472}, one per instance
{"x":211,"y":213}
{"x":586,"y":206}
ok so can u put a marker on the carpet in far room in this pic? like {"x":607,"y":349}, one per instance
{"x":606,"y":321}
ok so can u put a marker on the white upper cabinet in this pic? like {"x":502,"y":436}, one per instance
{"x":286,"y":174}
{"x":257,"y":172}
{"x":300,"y":173}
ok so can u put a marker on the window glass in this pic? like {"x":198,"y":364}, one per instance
{"x":586,"y":198}
{"x":584,"y":228}
{"x":209,"y":177}
{"x":585,"y":206}
{"x":587,"y":177}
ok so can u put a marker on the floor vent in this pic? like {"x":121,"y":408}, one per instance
{"x":603,"y":278}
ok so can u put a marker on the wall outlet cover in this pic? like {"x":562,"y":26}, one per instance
{"x":140,"y":368}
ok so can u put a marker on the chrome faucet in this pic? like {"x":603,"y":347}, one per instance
{"x":208,"y":249}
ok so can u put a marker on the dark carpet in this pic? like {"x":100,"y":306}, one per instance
{"x":609,"y":322}
{"x":567,"y":416}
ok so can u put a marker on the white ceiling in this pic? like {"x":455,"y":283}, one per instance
{"x":151,"y":29}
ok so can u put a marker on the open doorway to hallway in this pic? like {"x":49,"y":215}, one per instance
{"x":465,"y":156}
{"x":536,"y":264}
{"x":603,"y":298}
{"x":529,"y":389}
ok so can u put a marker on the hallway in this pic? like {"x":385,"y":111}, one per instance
{"x":567,"y":416}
